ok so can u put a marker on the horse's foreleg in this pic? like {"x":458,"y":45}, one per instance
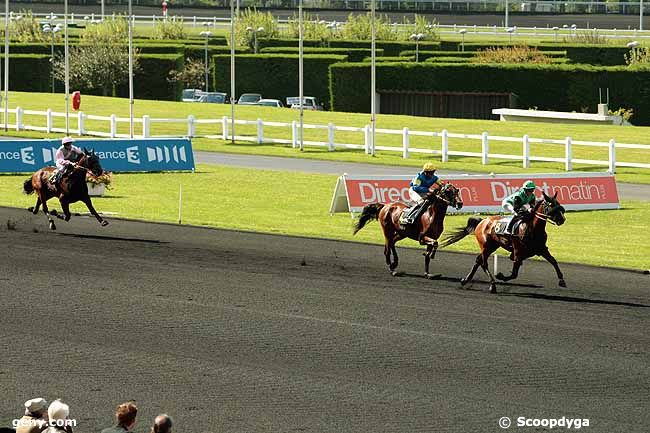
{"x":395,"y":258}
{"x":515,"y":272}
{"x":428,"y":256}
{"x":549,"y":258}
{"x":89,"y":205}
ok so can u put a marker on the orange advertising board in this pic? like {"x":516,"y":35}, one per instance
{"x":482,"y":193}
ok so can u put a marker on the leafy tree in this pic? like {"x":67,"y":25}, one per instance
{"x":192,"y":75}
{"x":27,"y":29}
{"x":253,"y":19}
{"x":169,"y":29}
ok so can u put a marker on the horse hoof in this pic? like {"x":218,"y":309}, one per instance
{"x":463,"y":281}
{"x":432,"y":276}
{"x":31,"y":209}
{"x":104,"y":223}
{"x":52,"y":225}
{"x":493,"y":288}
{"x":53,"y":212}
{"x":562,"y":283}
{"x":500,"y":276}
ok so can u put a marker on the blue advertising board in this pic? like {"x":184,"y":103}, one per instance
{"x":159,"y":154}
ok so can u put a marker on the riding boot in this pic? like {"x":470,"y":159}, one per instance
{"x":410,"y":216}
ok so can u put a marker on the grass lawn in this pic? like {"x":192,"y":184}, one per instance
{"x":167,"y":109}
{"x":262,"y":201}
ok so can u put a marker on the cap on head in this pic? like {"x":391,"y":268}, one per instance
{"x":429,"y":166}
{"x":529,"y":184}
{"x":67,"y":140}
{"x":36,"y":405}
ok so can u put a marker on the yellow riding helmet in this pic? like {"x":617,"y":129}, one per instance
{"x":429,"y":166}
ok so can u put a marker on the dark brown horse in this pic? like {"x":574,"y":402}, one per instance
{"x":426,"y":230}
{"x":72,"y":188}
{"x":528,"y":240}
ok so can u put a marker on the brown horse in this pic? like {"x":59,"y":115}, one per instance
{"x":72,"y":188}
{"x":426,"y":230}
{"x":529,"y":239}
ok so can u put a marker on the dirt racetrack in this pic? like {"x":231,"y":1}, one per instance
{"x":239,"y":332}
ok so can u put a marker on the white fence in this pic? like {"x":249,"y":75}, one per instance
{"x":439,"y":143}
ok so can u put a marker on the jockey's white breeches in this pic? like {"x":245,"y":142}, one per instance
{"x":415,"y":196}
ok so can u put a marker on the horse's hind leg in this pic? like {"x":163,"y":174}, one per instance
{"x":389,"y":247}
{"x":549,"y":258}
{"x":92,"y":210}
{"x":46,"y":211}
{"x":65,"y":207}
{"x":37,"y":206}
{"x":471,"y":273}
{"x":485,"y":255}
{"x":428,"y":255}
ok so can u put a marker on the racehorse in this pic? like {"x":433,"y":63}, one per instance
{"x":426,"y":230}
{"x":528,"y":240}
{"x":72,"y":188}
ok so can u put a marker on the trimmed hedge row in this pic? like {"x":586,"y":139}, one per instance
{"x":354,"y":54}
{"x":552,"y":87}
{"x":29,"y":72}
{"x":213,"y":40}
{"x":276,"y":75}
{"x":390,"y":59}
{"x":391,"y":48}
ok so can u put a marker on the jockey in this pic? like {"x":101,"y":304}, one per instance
{"x":65,"y":157}
{"x":520,"y":201}
{"x":420,"y":186}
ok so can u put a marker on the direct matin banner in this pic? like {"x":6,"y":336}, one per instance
{"x":160,"y":154}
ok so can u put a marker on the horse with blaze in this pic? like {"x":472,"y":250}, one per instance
{"x":426,"y":230}
{"x":71,"y":189}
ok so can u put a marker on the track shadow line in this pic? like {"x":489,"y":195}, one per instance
{"x":112,"y":238}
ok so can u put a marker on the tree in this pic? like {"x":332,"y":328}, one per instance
{"x":97,"y":66}
{"x":192,"y":75}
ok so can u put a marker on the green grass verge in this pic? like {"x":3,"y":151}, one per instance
{"x":165,"y":109}
{"x":298,"y":204}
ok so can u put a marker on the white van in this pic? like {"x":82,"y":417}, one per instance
{"x":308,"y":103}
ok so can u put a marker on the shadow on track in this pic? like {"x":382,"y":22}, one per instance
{"x":113,"y":238}
{"x":574,"y":299}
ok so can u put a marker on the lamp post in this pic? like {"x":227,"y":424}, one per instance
{"x":131,"y":101}
{"x":232,"y":69}
{"x":417,"y":38}
{"x":510,"y":31}
{"x":51,"y":31}
{"x":206,"y":34}
{"x":632,"y":46}
{"x":462,"y":33}
{"x":555,"y":29}
{"x":255,"y":32}
{"x":301,"y":35}
{"x":373,"y":79}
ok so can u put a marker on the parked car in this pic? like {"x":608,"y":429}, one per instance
{"x":191,"y":95}
{"x":270,"y":103}
{"x":213,"y":97}
{"x":249,"y":98}
{"x":308,"y":103}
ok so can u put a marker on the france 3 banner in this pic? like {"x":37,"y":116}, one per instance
{"x":165,"y":154}
{"x":482,"y":193}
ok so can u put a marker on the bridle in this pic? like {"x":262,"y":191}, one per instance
{"x":545,"y":216}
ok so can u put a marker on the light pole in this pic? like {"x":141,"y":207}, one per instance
{"x":417,"y":38}
{"x":255,"y":32}
{"x":462,"y":34}
{"x":51,"y":31}
{"x":6,"y":98}
{"x":67,"y":67}
{"x":232,"y":69}
{"x":555,"y":29}
{"x":510,"y":31}
{"x":131,"y":123}
{"x":301,"y":35}
{"x":206,"y":34}
{"x":373,"y":79}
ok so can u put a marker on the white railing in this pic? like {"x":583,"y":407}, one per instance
{"x":438,"y":147}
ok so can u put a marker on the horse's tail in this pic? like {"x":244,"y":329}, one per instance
{"x":369,"y":212}
{"x":28,"y":187}
{"x":460,"y":233}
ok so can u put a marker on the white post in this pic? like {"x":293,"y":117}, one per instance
{"x":445,"y":146}
{"x":224,"y":128}
{"x":190,"y":126}
{"x":568,"y":166}
{"x":81,"y":117}
{"x":405,"y":143}
{"x":294,"y":134}
{"x":496,"y":264}
{"x":19,"y":119}
{"x":485,"y":148}
{"x":260,"y":131}
{"x":146,"y":126}
{"x":113,"y":125}
{"x":366,"y":139}
{"x":526,"y":155}
{"x":49,"y":120}
{"x":612,"y":155}
{"x":330,"y":136}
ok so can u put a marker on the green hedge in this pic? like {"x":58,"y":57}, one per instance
{"x":390,"y":59}
{"x":276,"y":75}
{"x":391,"y":48}
{"x":547,"y":87}
{"x":214,"y":40}
{"x":29,"y":72}
{"x":198,"y":51}
{"x":151,"y":81}
{"x":354,"y":54}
